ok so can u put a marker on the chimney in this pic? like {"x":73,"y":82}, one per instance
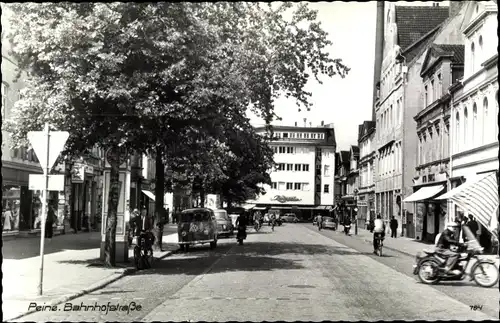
{"x":305,"y":122}
{"x":322,"y":123}
{"x":454,"y":8}
{"x":379,"y":48}
{"x":295,"y":123}
{"x":310,"y":124}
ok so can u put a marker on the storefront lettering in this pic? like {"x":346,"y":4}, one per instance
{"x":284,"y":199}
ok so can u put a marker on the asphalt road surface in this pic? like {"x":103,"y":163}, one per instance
{"x":294,"y":273}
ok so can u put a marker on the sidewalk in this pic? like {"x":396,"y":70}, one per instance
{"x":71,"y":268}
{"x":404,"y":245}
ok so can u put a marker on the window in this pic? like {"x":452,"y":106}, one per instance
{"x":298,"y":167}
{"x":472,"y":58}
{"x":486,"y":119}
{"x":457,"y":131}
{"x":297,"y":186}
{"x":466,"y":124}
{"x":289,"y":186}
{"x":5,"y":90}
{"x":299,"y":135}
{"x":281,"y":166}
{"x":426,"y":96}
{"x":274,"y":185}
{"x":390,"y":117}
{"x":327,"y":170}
{"x":281,"y":150}
{"x":305,"y":167}
{"x":318,"y":188}
{"x":275,"y":150}
{"x":285,"y":134}
{"x":289,"y":167}
{"x":289,"y":150}
{"x":281,"y":186}
{"x":305,"y":186}
{"x":327,"y":188}
{"x":474,"y":123}
{"x":439,"y":86}
{"x":480,"y":42}
{"x":431,"y":92}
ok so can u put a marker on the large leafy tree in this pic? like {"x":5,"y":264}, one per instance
{"x":133,"y":76}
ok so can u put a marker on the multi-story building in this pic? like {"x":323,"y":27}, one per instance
{"x":407,"y":31}
{"x":19,"y":204}
{"x":442,"y":66}
{"x":304,"y":177}
{"x":351,"y":184}
{"x":366,"y":190}
{"x":474,"y":111}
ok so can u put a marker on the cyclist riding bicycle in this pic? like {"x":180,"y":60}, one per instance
{"x":143,"y":232}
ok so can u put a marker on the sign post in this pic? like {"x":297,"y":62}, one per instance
{"x":47,"y":146}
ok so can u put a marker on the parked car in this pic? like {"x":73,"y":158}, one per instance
{"x":290,"y":218}
{"x":329,"y":223}
{"x":225,"y":226}
{"x":197,"y":226}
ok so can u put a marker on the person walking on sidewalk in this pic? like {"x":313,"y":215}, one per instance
{"x":473,"y":226}
{"x":394,"y":227}
{"x":51,"y":219}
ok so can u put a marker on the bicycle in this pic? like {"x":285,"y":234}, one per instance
{"x":143,"y":252}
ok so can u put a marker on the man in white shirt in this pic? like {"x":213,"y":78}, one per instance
{"x":378,"y":231}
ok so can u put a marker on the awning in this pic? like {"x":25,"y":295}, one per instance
{"x":324,"y":207}
{"x":149,"y":194}
{"x":479,"y":196}
{"x":248,"y":206}
{"x":424,"y":193}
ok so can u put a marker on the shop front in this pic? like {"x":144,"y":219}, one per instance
{"x":85,"y":192}
{"x":20,"y":206}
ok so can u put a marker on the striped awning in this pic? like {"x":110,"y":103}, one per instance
{"x":479,"y":197}
{"x":149,"y":194}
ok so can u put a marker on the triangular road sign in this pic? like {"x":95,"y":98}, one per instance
{"x":38,"y":140}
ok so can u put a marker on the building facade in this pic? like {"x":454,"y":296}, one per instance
{"x":474,"y":110}
{"x":304,"y":177}
{"x":349,"y":200}
{"x":442,"y":66}
{"x":366,"y":190}
{"x":406,"y":31}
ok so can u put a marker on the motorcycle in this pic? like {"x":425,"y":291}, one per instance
{"x":347,"y":228}
{"x":429,"y":267}
{"x":242,"y":235}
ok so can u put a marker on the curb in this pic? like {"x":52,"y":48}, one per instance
{"x":94,"y":287}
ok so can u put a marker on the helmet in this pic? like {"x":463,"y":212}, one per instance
{"x":451,"y":225}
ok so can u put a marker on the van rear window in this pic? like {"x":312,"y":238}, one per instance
{"x":195,"y":216}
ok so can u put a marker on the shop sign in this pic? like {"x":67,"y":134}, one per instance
{"x":12,"y":194}
{"x":284,"y":199}
{"x":77,"y":173}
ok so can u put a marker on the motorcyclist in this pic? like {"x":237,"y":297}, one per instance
{"x":448,"y":238}
{"x":378,"y":232}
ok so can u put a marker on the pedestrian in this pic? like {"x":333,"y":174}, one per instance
{"x":394,"y":227}
{"x":51,"y":219}
{"x":473,"y":226}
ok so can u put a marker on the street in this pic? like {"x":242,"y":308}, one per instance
{"x":294,"y":273}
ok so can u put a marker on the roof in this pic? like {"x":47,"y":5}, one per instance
{"x":457,"y":52}
{"x":414,"y":22}
{"x":344,"y":156}
{"x":365,"y":128}
{"x":355,"y":150}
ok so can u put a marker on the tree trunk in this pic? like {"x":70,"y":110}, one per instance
{"x":202,"y":197}
{"x":114,"y":191}
{"x":159,"y":197}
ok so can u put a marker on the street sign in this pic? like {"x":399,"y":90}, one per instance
{"x":55,"y":182}
{"x":38,"y":140}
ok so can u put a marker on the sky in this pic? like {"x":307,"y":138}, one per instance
{"x":344,"y":102}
